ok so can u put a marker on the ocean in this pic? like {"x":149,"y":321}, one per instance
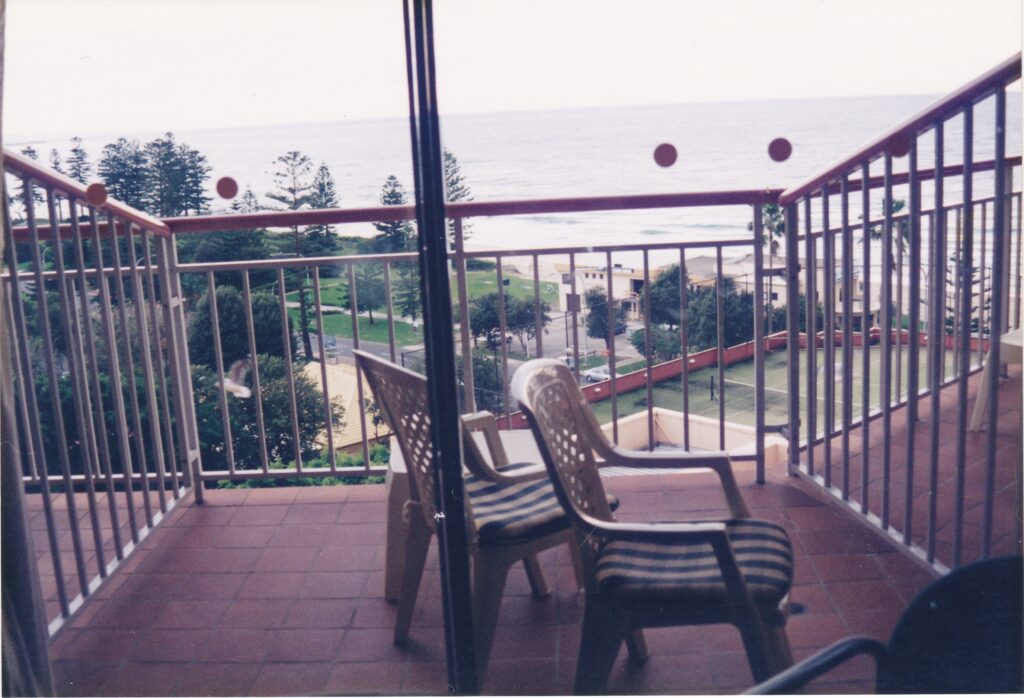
{"x":587,"y":152}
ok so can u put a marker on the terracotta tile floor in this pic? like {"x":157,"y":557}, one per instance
{"x":246,"y":595}
{"x":1006,"y":535}
{"x":280,"y":591}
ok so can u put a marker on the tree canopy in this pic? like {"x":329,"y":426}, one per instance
{"x":597,"y":313}
{"x":234,"y":333}
{"x":520,"y":317}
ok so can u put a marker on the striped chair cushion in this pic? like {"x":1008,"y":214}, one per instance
{"x":506,"y":513}
{"x":675,"y":572}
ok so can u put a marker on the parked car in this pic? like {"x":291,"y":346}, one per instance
{"x":620,"y":327}
{"x":597,"y":374}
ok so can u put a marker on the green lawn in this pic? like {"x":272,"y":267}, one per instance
{"x":341,"y":324}
{"x":478,"y":283}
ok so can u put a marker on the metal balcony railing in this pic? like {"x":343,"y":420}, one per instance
{"x":110,"y":404}
{"x":979,"y":254}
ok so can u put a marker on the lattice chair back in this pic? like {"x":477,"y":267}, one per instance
{"x":561,"y":423}
{"x":402,"y":397}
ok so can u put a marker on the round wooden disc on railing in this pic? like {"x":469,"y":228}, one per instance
{"x":227,"y":188}
{"x":780,"y":149}
{"x":898,"y":144}
{"x":665,"y":155}
{"x":96,"y":194}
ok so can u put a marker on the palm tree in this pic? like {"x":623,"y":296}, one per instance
{"x":773,"y":225}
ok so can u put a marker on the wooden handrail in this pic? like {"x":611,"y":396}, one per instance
{"x":27,"y":167}
{"x":1006,"y":72}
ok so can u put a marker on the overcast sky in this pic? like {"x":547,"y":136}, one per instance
{"x":129,"y":66}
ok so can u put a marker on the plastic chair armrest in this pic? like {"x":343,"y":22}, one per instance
{"x":708,"y":531}
{"x":486,"y":423}
{"x":717,"y":461}
{"x":799,"y":675}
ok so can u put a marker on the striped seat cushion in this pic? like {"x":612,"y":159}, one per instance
{"x":662,"y":572}
{"x":506,"y":513}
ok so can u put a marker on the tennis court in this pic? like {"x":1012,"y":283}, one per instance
{"x":705,"y":394}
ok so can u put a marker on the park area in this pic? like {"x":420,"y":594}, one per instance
{"x":705,"y":393}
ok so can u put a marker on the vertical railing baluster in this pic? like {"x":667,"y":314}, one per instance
{"x":360,"y":394}
{"x":936,"y":335}
{"x":829,"y":341}
{"x":389,"y":309}
{"x":901,"y":242}
{"x":848,"y":288}
{"x":758,"y":319}
{"x":914,"y":348}
{"x":116,"y":386}
{"x":865,"y":338}
{"x":574,"y":309}
{"x":60,"y":436}
{"x":792,"y":338}
{"x":161,"y":363}
{"x":957,"y":246}
{"x":649,"y":351}
{"x":720,"y":334}
{"x":964,"y":340}
{"x":465,"y":331}
{"x":183,"y":400}
{"x":885,"y":387}
{"x":1019,"y":259}
{"x":999,"y":219}
{"x":981,"y":282}
{"x":684,"y":342}
{"x":332,"y":457}
{"x":538,"y":312}
{"x":811,"y":332}
{"x":129,"y":363}
{"x":218,"y":357}
{"x":503,"y":330}
{"x":142,"y":330}
{"x":257,"y":392}
{"x":80,"y":387}
{"x":286,"y":341}
{"x":20,"y":395}
{"x":612,"y":318}
{"x":926,"y":291}
{"x":33,"y":423}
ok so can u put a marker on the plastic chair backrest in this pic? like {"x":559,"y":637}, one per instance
{"x":402,"y":396}
{"x":558,"y":415}
{"x":963,"y":634}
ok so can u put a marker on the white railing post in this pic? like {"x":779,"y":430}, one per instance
{"x":178,"y":362}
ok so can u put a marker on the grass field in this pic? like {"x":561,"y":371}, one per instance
{"x":478,"y":283}
{"x":340,"y":324}
{"x":739,"y":389}
{"x":334,"y":292}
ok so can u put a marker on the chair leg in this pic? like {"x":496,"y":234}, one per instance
{"x":601,"y":636}
{"x":779,"y":642}
{"x":637,"y":646}
{"x":767,"y":648}
{"x":416,"y":546}
{"x":577,"y":565}
{"x":538,"y":585}
{"x":489,"y":575}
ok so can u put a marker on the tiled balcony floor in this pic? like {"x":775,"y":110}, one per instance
{"x":1006,"y":528}
{"x":280,"y":591}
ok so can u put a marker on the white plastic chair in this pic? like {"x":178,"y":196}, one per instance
{"x":736,"y":571}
